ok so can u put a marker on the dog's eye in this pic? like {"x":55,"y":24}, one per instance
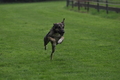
{"x":58,"y":27}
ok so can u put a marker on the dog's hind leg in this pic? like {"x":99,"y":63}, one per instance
{"x":53,"y":49}
{"x":46,"y":41}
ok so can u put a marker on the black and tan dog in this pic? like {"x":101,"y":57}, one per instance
{"x":55,"y":36}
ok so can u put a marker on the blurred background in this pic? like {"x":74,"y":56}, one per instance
{"x":7,"y":1}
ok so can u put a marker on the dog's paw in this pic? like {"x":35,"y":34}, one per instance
{"x":60,"y":40}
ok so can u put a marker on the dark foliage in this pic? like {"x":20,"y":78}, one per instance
{"x":9,"y":1}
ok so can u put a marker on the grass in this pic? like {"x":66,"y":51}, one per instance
{"x":90,"y":51}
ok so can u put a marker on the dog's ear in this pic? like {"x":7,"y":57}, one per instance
{"x":54,"y":24}
{"x":63,"y":20}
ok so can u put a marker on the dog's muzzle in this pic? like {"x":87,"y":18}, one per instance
{"x":61,"y":32}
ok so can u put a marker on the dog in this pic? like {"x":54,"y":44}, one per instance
{"x":55,"y":36}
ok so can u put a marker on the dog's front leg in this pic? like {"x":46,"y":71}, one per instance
{"x":60,"y":40}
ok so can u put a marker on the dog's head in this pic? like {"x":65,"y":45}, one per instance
{"x":59,"y":27}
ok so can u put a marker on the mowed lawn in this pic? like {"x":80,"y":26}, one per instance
{"x":90,"y":51}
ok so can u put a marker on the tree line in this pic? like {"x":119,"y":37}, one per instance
{"x":7,"y":1}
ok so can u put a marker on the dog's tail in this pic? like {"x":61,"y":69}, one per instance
{"x":63,"y":20}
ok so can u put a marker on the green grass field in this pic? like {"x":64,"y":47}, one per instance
{"x":90,"y":51}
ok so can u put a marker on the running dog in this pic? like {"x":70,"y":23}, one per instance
{"x":55,"y":36}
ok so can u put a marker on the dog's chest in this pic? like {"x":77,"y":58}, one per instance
{"x":56,"y":35}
